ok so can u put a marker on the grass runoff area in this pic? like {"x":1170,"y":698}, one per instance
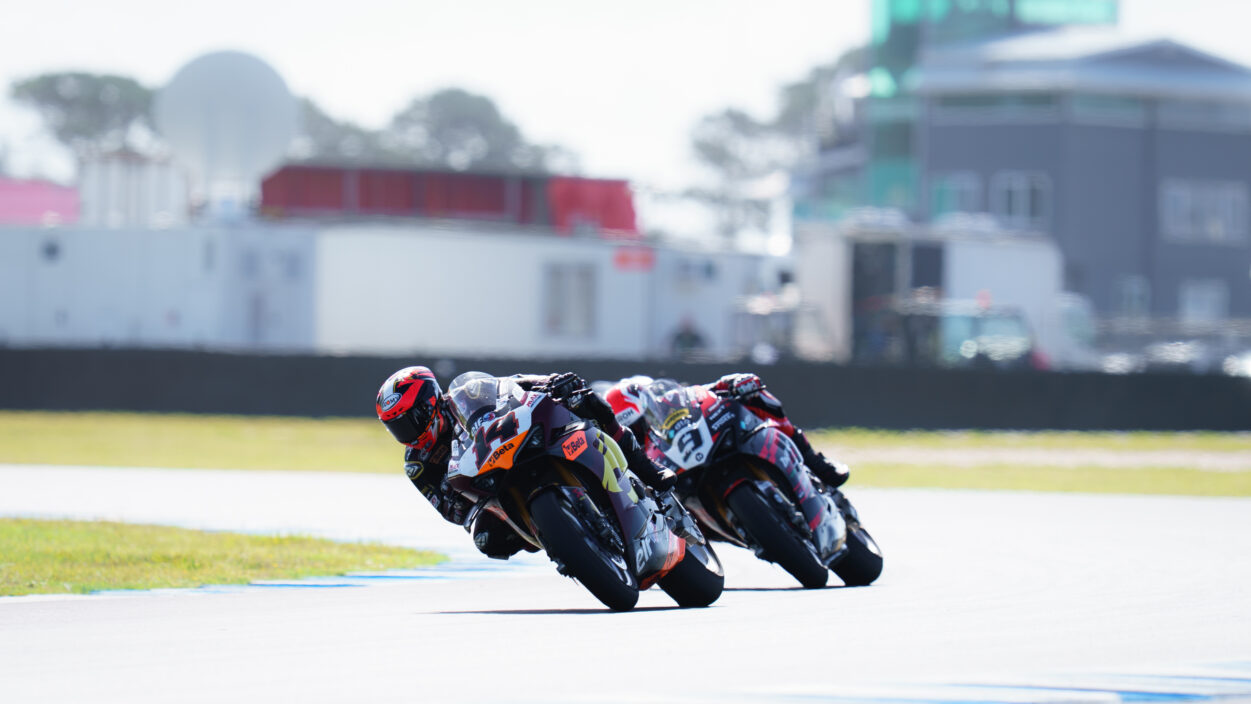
{"x":66,"y":556}
{"x":363,"y":445}
{"x":47,"y":557}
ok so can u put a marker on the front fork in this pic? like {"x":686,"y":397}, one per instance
{"x":653,"y":547}
{"x":818,"y":517}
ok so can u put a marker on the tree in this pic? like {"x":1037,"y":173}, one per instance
{"x":89,"y":113}
{"x":94,"y":114}
{"x":741,"y":151}
{"x":456,"y":129}
{"x":324,"y":138}
{"x":810,"y":108}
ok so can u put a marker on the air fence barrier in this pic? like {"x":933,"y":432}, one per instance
{"x":815,"y":395}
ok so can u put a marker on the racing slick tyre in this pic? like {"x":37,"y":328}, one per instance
{"x":862,"y":563}
{"x":697,"y":580}
{"x":778,"y":540}
{"x":574,"y":545}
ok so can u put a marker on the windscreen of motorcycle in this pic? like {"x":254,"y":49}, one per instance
{"x":473,"y":395}
{"x":677,"y":425}
{"x":495,"y":418}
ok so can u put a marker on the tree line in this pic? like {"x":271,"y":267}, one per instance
{"x":95,"y":114}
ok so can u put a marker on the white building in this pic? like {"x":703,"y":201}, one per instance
{"x":126,"y":190}
{"x":386,"y":288}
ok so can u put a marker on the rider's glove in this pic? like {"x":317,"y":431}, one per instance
{"x":452,"y":506}
{"x":738,"y":386}
{"x":588,"y":404}
{"x":562,"y":386}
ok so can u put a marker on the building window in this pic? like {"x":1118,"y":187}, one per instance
{"x":1021,"y":198}
{"x":1200,"y":115}
{"x":892,"y":139}
{"x":1209,"y":212}
{"x":292,"y":265}
{"x":1112,"y":110}
{"x":1203,"y":301}
{"x":1060,"y":12}
{"x":569,"y":300}
{"x":249,"y":264}
{"x":956,"y":192}
{"x":1133,"y":296}
{"x":997,"y":107}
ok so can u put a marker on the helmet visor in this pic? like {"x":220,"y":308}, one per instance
{"x":409,"y":427}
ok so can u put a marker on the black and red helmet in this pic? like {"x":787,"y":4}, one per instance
{"x":410,"y":404}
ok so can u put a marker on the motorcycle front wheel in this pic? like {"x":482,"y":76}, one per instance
{"x":697,"y":580}
{"x":570,"y":541}
{"x":862,"y":563}
{"x":777,"y":538}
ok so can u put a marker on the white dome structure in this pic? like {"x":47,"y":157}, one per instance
{"x":229,"y":118}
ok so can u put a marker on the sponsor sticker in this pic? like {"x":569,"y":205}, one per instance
{"x":389,"y":402}
{"x":500,"y":452}
{"x":674,"y":417}
{"x":574,"y":445}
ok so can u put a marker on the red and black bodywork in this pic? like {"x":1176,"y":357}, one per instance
{"x":522,"y":453}
{"x":718,"y":445}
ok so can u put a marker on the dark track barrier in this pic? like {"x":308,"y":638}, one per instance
{"x":815,"y":395}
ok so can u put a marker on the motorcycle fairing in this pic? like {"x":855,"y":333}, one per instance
{"x":689,"y":442}
{"x":653,"y":547}
{"x":509,"y":426}
{"x":824,"y":521}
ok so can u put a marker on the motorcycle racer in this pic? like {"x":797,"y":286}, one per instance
{"x":416,"y":412}
{"x":626,"y":398}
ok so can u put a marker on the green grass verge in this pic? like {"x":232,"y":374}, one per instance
{"x":50,"y":557}
{"x":193,"y":441}
{"x":362,"y":445}
{"x":1046,"y":440}
{"x":1088,"y":479}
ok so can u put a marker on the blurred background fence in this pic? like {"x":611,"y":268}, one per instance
{"x":815,"y":395}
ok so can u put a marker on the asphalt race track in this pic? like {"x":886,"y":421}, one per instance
{"x":986,"y":597}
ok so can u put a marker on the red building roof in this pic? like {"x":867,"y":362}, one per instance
{"x":564,"y":204}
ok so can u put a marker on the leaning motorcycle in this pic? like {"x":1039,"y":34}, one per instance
{"x":564,"y":487}
{"x":745,"y":482}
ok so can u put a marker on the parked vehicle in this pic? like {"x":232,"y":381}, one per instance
{"x":745,"y":483}
{"x":563,"y":485}
{"x":955,"y":334}
{"x":883,"y":263}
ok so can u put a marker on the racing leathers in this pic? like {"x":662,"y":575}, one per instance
{"x":427,"y":469}
{"x":749,"y":390}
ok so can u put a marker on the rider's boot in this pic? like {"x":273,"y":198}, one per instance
{"x":658,"y":478}
{"x":496,"y":539}
{"x":832,"y":474}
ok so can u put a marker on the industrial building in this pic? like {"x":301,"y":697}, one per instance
{"x":1133,"y":155}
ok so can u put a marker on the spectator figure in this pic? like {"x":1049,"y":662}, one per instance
{"x":687,"y":341}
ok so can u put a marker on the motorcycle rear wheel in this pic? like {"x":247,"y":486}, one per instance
{"x":776,"y":537}
{"x":568,"y":539}
{"x":862,"y":563}
{"x":694,"y":583}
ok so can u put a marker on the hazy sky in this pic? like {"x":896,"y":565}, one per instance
{"x":621,"y":83}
